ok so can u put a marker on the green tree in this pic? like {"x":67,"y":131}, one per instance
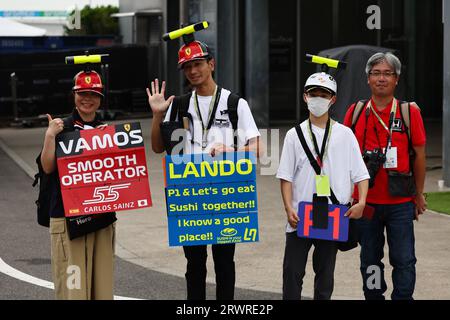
{"x":95,"y":21}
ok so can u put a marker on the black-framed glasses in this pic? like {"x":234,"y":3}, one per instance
{"x":386,"y":74}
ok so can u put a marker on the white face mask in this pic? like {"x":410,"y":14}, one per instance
{"x":318,"y":106}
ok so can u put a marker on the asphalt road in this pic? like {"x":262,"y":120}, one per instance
{"x":25,"y":246}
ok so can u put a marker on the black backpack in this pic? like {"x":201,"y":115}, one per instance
{"x":45,"y":183}
{"x":180,"y":107}
{"x":43,"y":201}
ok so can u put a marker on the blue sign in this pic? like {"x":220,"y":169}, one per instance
{"x":337,"y":223}
{"x":211,"y":200}
{"x":213,"y":229}
{"x":220,"y":198}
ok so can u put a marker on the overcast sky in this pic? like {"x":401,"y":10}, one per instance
{"x":51,"y":5}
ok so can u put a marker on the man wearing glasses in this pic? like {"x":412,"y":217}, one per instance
{"x":392,"y":139}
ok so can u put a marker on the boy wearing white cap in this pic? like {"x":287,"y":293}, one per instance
{"x":339,"y":160}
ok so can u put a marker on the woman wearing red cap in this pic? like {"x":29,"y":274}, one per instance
{"x":82,"y":248}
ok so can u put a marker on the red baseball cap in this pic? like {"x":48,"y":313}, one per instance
{"x":88,"y":81}
{"x":193,"y":51}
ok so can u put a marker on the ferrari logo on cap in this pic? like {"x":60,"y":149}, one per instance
{"x":88,"y":80}
{"x":127,"y":127}
{"x":188,"y":51}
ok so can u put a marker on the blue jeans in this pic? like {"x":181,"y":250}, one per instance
{"x":398,"y":220}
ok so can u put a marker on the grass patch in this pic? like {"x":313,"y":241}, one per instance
{"x":439,"y":202}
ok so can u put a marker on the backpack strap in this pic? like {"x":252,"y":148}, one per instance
{"x":174,"y":110}
{"x":232,"y":104}
{"x":359,"y":107}
{"x":180,"y":107}
{"x":313,"y":160}
{"x":405,"y":112}
{"x":37,"y":176}
{"x":68,"y":124}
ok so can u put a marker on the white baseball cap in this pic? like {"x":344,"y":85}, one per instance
{"x":321,"y":80}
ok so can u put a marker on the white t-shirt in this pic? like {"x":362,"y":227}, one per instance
{"x":221,"y":131}
{"x":343,"y":164}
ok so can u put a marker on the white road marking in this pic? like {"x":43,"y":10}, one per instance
{"x":19,"y":275}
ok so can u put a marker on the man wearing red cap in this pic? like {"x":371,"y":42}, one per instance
{"x":210,"y":131}
{"x":82,"y":248}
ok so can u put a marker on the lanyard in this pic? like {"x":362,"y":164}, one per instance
{"x":212,"y":109}
{"x":326,"y":139}
{"x":389,"y":129}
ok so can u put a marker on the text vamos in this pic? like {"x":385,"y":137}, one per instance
{"x":119,"y":139}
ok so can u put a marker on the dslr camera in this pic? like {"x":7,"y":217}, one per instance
{"x":374,"y":160}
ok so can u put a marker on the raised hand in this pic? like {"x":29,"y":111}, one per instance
{"x":55,"y":126}
{"x":157,"y":99}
